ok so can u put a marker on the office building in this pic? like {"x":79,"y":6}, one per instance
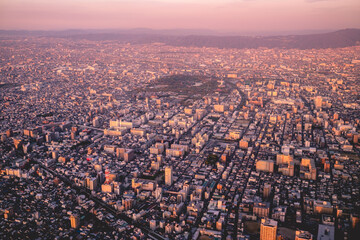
{"x":261,"y":209}
{"x":265,"y":166}
{"x":267,"y":190}
{"x":75,"y":221}
{"x":268,"y":229}
{"x":326,"y":232}
{"x":318,"y":101}
{"x":168,"y":175}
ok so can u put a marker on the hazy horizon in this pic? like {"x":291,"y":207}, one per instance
{"x":182,"y":31}
{"x":229,"y":16}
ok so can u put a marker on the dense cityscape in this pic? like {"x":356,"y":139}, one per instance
{"x":112,"y":140}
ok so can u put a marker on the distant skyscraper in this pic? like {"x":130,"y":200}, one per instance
{"x":267,"y":190}
{"x":318,"y":101}
{"x":356,"y":138}
{"x":268,"y":229}
{"x":75,"y":221}
{"x":168,"y":175}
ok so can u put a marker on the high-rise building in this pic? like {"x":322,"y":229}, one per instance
{"x":268,"y":229}
{"x":267,"y":190}
{"x":158,"y":193}
{"x":318,"y":101}
{"x":93,"y":182}
{"x":8,"y":213}
{"x":355,"y":219}
{"x":265,"y":166}
{"x":326,"y":232}
{"x":107,"y":188}
{"x":168,"y":175}
{"x":96,"y":122}
{"x":75,"y":221}
{"x":153,"y":224}
{"x":124,"y":153}
{"x":356,"y":138}
{"x":261,"y":209}
{"x":307,"y":169}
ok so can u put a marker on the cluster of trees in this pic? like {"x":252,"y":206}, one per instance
{"x":212,"y":159}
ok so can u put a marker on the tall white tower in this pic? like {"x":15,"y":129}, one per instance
{"x":168,"y":175}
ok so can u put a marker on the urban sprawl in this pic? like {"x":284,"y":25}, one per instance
{"x":108,"y":140}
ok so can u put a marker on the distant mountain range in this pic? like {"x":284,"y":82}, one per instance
{"x":341,"y":38}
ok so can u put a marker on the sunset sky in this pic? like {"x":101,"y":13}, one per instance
{"x":224,"y":15}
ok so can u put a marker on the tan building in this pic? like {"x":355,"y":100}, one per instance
{"x":268,"y":229}
{"x":232,"y":75}
{"x":243,"y":144}
{"x":286,"y":164}
{"x":115,"y":131}
{"x":75,"y":221}
{"x":265,"y":166}
{"x":318,"y":101}
{"x":8,"y":213}
{"x":235,"y":135}
{"x":125,"y":153}
{"x":138,"y":131}
{"x":323,"y":207}
{"x":282,"y":158}
{"x":307,"y":169}
{"x":200,"y":113}
{"x":168,"y":175}
{"x":219,"y":108}
{"x":188,"y":111}
{"x":106,"y":188}
{"x":179,"y":147}
{"x":175,"y":152}
{"x":261,"y":209}
{"x":120,"y":123}
{"x":356,"y":138}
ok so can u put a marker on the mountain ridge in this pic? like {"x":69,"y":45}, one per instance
{"x":337,"y":39}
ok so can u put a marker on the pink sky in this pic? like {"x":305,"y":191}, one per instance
{"x":225,"y":15}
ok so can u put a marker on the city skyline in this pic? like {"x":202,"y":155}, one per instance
{"x":115,"y":140}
